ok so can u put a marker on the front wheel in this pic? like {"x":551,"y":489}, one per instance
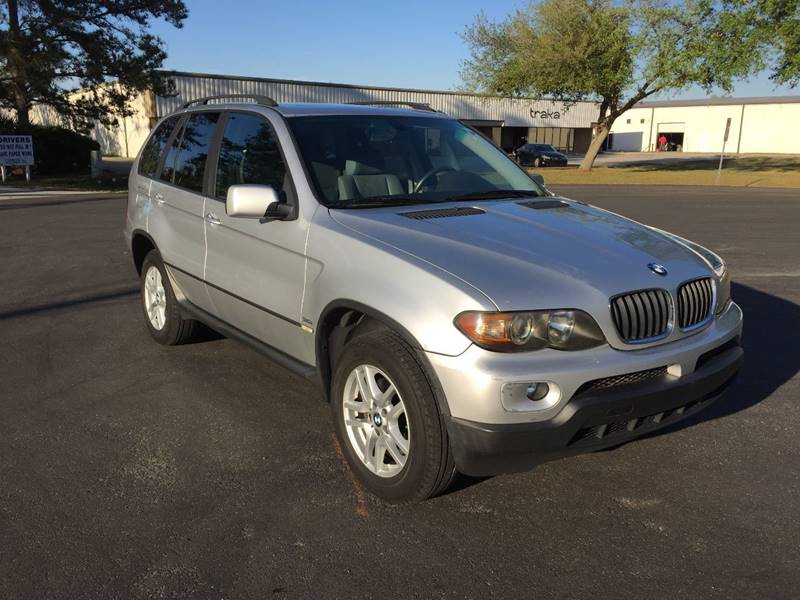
{"x":387,"y":420}
{"x":537,"y":162}
{"x":162,"y":314}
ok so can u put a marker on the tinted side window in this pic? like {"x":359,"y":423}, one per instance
{"x":168,"y":168}
{"x":249,"y":153}
{"x":190,"y":163}
{"x":148,"y":163}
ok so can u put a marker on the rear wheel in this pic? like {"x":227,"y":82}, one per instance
{"x":161,"y":311}
{"x":387,"y":420}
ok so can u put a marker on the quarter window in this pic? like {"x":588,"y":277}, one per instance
{"x":249,"y":153}
{"x":148,"y":163}
{"x":190,"y":163}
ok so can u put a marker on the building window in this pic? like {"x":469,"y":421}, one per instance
{"x":562,"y":138}
{"x":628,"y":121}
{"x":641,"y":120}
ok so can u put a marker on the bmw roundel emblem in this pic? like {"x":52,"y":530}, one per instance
{"x":658,"y":269}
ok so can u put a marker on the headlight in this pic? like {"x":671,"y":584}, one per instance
{"x":714,"y":260}
{"x":564,"y":329}
{"x":723,"y":291}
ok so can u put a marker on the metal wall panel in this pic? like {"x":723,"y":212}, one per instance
{"x":511,"y":112}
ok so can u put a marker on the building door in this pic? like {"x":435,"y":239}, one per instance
{"x":674,"y":133}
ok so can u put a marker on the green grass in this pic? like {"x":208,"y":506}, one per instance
{"x":738,"y":171}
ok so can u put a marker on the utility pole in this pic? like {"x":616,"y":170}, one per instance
{"x":721,"y":156}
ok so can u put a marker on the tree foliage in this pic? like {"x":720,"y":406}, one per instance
{"x":616,"y":53}
{"x":775,"y":24}
{"x":51,"y":48}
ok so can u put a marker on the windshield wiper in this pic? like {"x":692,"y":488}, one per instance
{"x":494,"y":195}
{"x":382,"y":201}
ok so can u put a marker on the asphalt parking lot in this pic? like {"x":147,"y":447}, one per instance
{"x":129,"y":470}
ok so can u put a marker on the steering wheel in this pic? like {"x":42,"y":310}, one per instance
{"x":430,"y":174}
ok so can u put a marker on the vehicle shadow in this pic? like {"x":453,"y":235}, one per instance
{"x":47,"y":201}
{"x":771,"y":356}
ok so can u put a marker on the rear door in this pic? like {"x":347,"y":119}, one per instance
{"x":176,"y":221}
{"x":255,"y":267}
{"x":148,"y":167}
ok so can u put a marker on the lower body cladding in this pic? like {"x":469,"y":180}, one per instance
{"x":595,"y":399}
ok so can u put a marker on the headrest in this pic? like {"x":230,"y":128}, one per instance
{"x":354,"y":167}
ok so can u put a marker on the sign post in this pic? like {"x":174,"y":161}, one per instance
{"x":721,"y":156}
{"x":16,"y":151}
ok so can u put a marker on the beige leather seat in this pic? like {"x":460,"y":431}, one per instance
{"x":361,"y":180}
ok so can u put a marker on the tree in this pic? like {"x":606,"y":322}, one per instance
{"x":51,"y":48}
{"x":775,"y":24}
{"x":614,"y":53}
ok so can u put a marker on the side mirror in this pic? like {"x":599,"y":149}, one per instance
{"x":251,"y":201}
{"x":539,"y":179}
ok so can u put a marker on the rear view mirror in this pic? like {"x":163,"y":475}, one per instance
{"x":255,"y":202}
{"x":539,"y":179}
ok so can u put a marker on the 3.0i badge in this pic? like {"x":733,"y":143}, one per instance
{"x":658,"y":269}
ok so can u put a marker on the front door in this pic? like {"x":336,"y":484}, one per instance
{"x":255,"y":267}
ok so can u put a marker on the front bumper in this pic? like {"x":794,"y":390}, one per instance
{"x":473,"y":381}
{"x":593,"y":420}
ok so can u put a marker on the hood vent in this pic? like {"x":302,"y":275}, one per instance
{"x":442,"y":213}
{"x":542,"y":204}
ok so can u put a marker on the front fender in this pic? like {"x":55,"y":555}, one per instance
{"x":421,"y":299}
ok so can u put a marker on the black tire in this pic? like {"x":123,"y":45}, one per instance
{"x":429,"y":468}
{"x":176,"y":329}
{"x":537,"y":162}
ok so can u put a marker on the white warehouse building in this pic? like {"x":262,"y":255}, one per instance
{"x":758,"y":125}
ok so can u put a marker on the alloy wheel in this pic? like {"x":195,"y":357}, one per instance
{"x":155,"y":298}
{"x":376,"y":421}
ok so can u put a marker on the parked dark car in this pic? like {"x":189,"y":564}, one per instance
{"x":540,"y":155}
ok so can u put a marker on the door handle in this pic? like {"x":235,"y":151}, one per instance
{"x":158,"y":197}
{"x":212,"y":219}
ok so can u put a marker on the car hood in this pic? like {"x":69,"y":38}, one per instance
{"x":565,"y":255}
{"x":554,"y":154}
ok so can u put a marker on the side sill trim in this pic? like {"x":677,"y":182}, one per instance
{"x":296,"y":366}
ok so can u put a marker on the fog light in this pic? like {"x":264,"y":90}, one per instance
{"x":530,"y":396}
{"x":537,"y":391}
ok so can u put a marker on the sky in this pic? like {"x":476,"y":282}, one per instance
{"x":394,"y":43}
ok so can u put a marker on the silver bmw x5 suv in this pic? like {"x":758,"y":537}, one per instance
{"x":457,"y":315}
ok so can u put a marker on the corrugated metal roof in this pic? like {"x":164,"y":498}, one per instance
{"x":512,"y":112}
{"x":720,"y":101}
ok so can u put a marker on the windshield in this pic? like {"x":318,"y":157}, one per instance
{"x":372,"y":160}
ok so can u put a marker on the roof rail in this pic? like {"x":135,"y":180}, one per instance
{"x":263,"y":100}
{"x":414,"y":105}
